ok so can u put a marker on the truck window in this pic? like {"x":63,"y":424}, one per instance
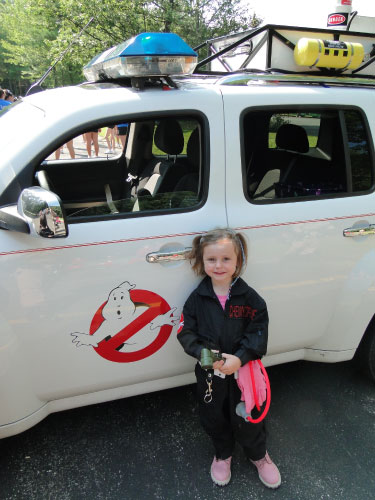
{"x":295,"y":155}
{"x":158,"y":166}
{"x":310,"y":122}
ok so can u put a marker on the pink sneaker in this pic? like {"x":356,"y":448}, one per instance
{"x":268,"y":472}
{"x":220,"y":471}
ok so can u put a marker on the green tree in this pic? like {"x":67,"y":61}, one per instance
{"x":199,"y":20}
{"x":27,"y":37}
{"x":34,"y":33}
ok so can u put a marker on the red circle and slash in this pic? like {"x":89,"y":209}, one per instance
{"x":156,"y":306}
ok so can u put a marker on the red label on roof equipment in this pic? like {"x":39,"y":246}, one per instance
{"x":335,"y":19}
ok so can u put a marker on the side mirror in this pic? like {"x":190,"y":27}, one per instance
{"x":44,"y":213}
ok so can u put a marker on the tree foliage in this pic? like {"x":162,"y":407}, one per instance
{"x":35,"y":33}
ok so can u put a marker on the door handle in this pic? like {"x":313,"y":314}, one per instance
{"x":360,"y":231}
{"x":159,"y":257}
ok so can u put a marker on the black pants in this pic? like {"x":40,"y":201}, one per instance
{"x":222,"y":424}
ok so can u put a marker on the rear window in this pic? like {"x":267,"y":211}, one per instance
{"x":293,"y":155}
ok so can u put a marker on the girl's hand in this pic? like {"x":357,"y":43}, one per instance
{"x":217,"y":365}
{"x":232,"y":364}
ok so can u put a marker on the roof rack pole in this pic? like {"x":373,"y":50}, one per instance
{"x":282,"y":38}
{"x":272,"y":31}
{"x":269,"y":48}
{"x":254,"y":52}
{"x":364,"y":65}
{"x":200,"y":46}
{"x":275,"y":34}
{"x":214,"y":51}
{"x":230,"y":47}
{"x":351,"y":17}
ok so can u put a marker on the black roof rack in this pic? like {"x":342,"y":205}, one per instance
{"x":269,"y":49}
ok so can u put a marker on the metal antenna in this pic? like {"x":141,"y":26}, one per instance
{"x":36,"y":87}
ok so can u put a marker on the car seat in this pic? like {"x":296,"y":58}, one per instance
{"x":189,"y":184}
{"x":290,"y":139}
{"x":169,"y":138}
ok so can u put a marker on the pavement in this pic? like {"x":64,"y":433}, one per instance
{"x":321,"y":430}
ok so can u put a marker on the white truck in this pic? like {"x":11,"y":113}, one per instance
{"x":93,"y":249}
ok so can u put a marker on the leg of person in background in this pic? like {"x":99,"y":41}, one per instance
{"x":117,"y":137}
{"x":95,"y":140}
{"x":107,"y":139}
{"x":70,"y":147}
{"x":88,"y":138}
{"x":122,"y":132}
{"x":113,"y":140}
{"x":57,"y":154}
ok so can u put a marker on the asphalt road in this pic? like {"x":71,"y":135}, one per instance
{"x":321,"y":434}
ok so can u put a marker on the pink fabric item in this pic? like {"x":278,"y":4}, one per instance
{"x":245,"y":385}
{"x":222,"y":300}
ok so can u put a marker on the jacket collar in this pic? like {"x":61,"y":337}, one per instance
{"x":205,"y":287}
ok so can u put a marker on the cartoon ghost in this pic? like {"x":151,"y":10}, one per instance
{"x":118,"y":312}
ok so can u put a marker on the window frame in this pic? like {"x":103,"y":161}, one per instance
{"x":201,"y":119}
{"x":303,"y":109}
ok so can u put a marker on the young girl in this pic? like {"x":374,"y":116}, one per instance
{"x":223,"y":313}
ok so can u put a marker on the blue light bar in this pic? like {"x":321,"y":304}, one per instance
{"x":147,"y":54}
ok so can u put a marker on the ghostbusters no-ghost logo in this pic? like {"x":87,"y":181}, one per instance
{"x":131,"y":325}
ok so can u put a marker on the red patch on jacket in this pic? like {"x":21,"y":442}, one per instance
{"x":240,"y":312}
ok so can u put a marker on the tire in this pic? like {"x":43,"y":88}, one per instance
{"x":365,"y":355}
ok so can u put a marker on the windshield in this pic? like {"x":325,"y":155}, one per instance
{"x":18,"y":115}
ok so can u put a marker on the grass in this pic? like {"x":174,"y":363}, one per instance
{"x":313,"y":140}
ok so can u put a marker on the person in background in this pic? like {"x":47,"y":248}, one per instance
{"x":70,"y":147}
{"x":3,"y":101}
{"x":122,"y":132}
{"x":111,"y":141}
{"x":92,"y":138}
{"x":9,"y":96}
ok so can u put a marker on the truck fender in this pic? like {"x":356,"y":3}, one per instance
{"x":17,"y":396}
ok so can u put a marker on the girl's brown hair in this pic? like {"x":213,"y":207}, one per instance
{"x":200,"y":242}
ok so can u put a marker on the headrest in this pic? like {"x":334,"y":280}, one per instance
{"x":169,"y":137}
{"x":193,"y":149}
{"x":293,"y":138}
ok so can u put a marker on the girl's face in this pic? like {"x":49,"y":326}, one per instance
{"x":220,"y":261}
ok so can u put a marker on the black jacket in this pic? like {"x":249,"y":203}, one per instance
{"x":242,"y":329}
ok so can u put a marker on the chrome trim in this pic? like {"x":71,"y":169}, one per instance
{"x":159,"y":257}
{"x":43,"y":212}
{"x":359,"y":231}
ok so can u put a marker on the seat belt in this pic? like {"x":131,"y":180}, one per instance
{"x":108,"y":196}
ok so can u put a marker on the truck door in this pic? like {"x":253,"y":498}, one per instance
{"x":298,"y":176}
{"x":118,"y":276}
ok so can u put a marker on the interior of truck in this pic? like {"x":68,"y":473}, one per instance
{"x":157,"y":166}
{"x":300,"y":154}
